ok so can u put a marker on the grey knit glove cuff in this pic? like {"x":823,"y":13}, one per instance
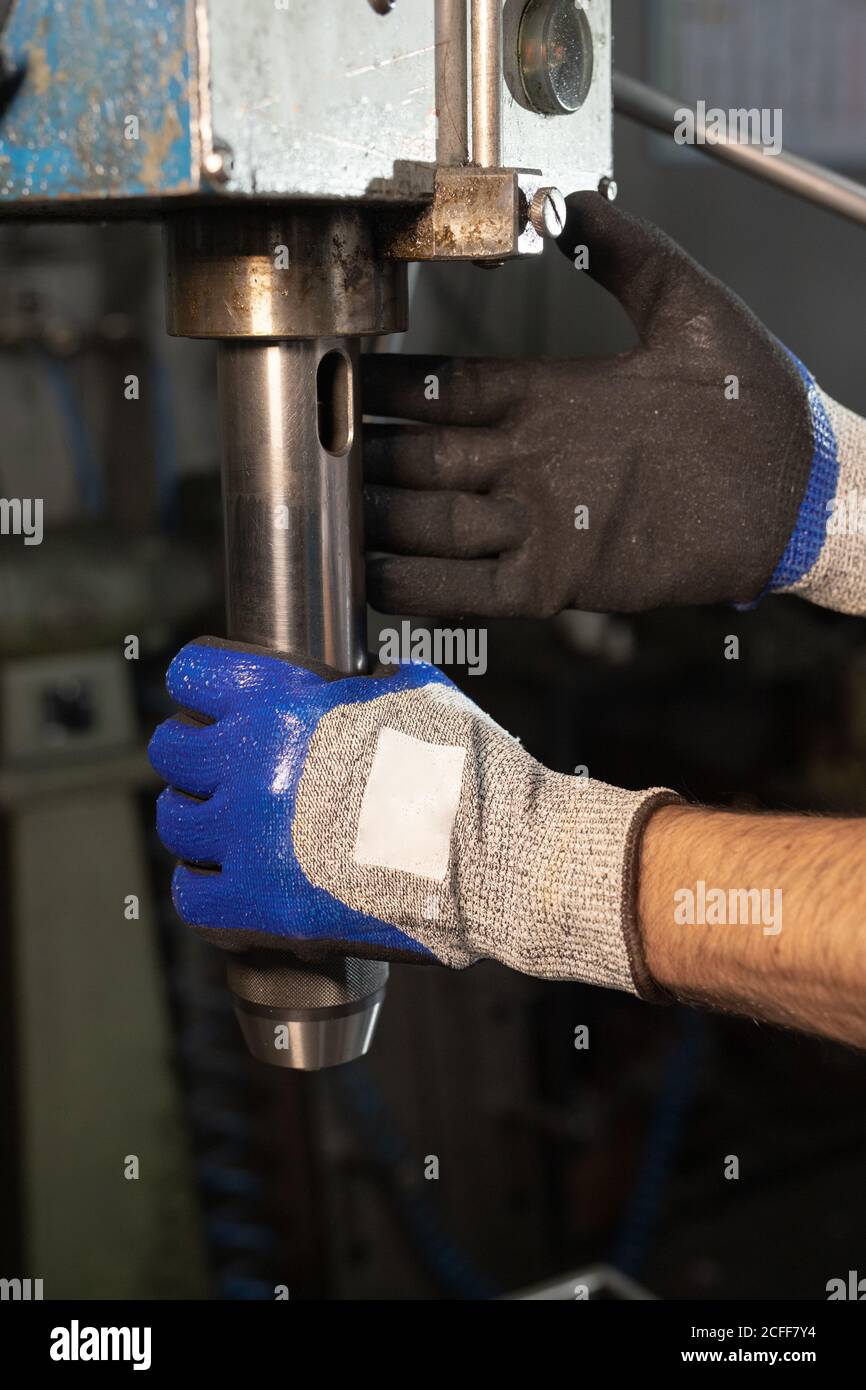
{"x":574,"y":872}
{"x":417,"y":810}
{"x":826,"y":557}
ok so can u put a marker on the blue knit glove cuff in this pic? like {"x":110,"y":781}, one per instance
{"x":810,"y":532}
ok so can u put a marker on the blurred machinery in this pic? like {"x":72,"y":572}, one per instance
{"x":81,"y":983}
{"x":300,"y":156}
{"x":83,"y":611}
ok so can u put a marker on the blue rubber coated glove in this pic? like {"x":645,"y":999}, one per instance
{"x":245,"y":768}
{"x":387,"y":816}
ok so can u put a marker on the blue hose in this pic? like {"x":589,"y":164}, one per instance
{"x":164,"y":442}
{"x":645,"y":1205}
{"x":447,"y":1262}
{"x":88,"y":476}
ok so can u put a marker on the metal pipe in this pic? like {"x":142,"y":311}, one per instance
{"x":790,"y":172}
{"x":487,"y":83}
{"x":294,"y":557}
{"x":452,"y":90}
{"x":290,"y":416}
{"x":289,"y":291}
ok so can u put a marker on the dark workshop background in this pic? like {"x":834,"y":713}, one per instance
{"x":118,"y":1041}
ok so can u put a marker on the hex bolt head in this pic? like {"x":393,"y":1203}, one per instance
{"x":608,"y":189}
{"x":547,"y":212}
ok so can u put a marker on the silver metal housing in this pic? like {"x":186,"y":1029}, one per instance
{"x":313,"y":101}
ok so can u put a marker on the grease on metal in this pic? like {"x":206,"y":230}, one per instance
{"x":473,"y":215}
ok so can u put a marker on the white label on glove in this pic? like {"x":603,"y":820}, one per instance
{"x":409,"y":805}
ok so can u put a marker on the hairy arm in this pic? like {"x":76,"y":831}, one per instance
{"x":797,"y":954}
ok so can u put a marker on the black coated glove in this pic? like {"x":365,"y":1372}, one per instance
{"x":690,"y":495}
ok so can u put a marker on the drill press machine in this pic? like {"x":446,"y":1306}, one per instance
{"x":300,"y":154}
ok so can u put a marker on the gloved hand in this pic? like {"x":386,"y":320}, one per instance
{"x":692,"y":496}
{"x":388,"y":817}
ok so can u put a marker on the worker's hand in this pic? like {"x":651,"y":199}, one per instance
{"x":388,"y":817}
{"x":670,"y":474}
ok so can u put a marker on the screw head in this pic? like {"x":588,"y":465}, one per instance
{"x":547,"y":212}
{"x":218,"y":165}
{"x":608,"y":189}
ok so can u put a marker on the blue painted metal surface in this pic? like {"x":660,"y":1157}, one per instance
{"x":89,"y":65}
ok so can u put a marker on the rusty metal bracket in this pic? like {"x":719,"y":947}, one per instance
{"x":475,"y":215}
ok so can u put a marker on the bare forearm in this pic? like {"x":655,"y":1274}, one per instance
{"x":760,"y":915}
